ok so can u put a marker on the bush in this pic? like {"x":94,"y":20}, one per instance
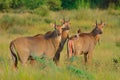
{"x":33,"y":4}
{"x":17,"y":30}
{"x":118,"y":44}
{"x":69,"y":4}
{"x":80,"y":73}
{"x":116,"y":62}
{"x":42,"y":11}
{"x":5,"y":5}
{"x":54,"y":5}
{"x":17,"y":4}
{"x":47,"y":20}
{"x":6,"y":21}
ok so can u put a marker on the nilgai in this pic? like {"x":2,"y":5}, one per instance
{"x":64,"y":36}
{"x":84,"y":43}
{"x":26,"y":47}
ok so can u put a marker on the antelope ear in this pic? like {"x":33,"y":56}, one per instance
{"x":53,"y":25}
{"x":63,"y":26}
{"x":79,"y":31}
{"x":62,"y":20}
{"x":103,"y":24}
{"x":94,"y":25}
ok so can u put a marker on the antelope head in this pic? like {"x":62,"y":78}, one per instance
{"x":99,"y":27}
{"x":65,"y":23}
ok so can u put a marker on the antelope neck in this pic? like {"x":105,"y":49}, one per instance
{"x":95,"y":32}
{"x":66,"y":28}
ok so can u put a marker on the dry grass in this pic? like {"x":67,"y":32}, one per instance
{"x":26,"y":24}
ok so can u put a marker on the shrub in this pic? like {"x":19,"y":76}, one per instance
{"x":116,"y":62}
{"x":54,"y":4}
{"x":69,"y":4}
{"x":47,"y":20}
{"x":42,"y":11}
{"x":80,"y":73}
{"x":10,"y":23}
{"x":5,"y":4}
{"x":17,"y":30}
{"x":118,"y":44}
{"x":17,"y":4}
{"x":6,"y":21}
{"x":33,"y":4}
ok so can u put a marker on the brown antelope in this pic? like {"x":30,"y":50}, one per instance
{"x":26,"y":47}
{"x":85,"y":43}
{"x":64,"y":36}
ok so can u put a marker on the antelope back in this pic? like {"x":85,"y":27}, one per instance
{"x":38,"y":45}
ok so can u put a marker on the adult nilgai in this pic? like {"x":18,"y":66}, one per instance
{"x":26,"y":47}
{"x":84,"y":43}
{"x":64,"y":36}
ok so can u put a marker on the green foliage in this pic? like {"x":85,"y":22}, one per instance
{"x":32,"y":4}
{"x":54,"y":4}
{"x":42,"y":11}
{"x":45,"y":62}
{"x":6,"y":22}
{"x":5,"y":5}
{"x":73,"y":58}
{"x":118,"y":44}
{"x":17,"y":30}
{"x":17,"y":4}
{"x":105,"y":4}
{"x":116,"y":62}
{"x":15,"y":24}
{"x":70,"y":4}
{"x":47,"y":20}
{"x":73,"y":70}
{"x":80,"y":73}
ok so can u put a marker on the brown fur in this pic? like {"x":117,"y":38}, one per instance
{"x":85,"y":43}
{"x":26,"y":47}
{"x":65,"y":35}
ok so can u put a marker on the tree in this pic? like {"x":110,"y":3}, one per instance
{"x":69,"y":4}
{"x":54,"y":4}
{"x":5,"y":4}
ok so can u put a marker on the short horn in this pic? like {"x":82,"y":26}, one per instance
{"x":79,"y":31}
{"x":96,"y":22}
{"x":55,"y":23}
{"x":101,"y":22}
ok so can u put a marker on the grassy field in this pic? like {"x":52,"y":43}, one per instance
{"x":13,"y":25}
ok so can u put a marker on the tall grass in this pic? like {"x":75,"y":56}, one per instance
{"x":104,"y":66}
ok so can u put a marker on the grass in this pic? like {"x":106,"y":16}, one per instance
{"x":104,"y":66}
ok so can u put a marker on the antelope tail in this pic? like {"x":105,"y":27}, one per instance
{"x":14,"y":56}
{"x":70,"y":48}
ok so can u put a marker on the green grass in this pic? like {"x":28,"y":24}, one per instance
{"x":13,"y":25}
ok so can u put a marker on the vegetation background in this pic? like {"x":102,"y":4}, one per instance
{"x":30,"y":17}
